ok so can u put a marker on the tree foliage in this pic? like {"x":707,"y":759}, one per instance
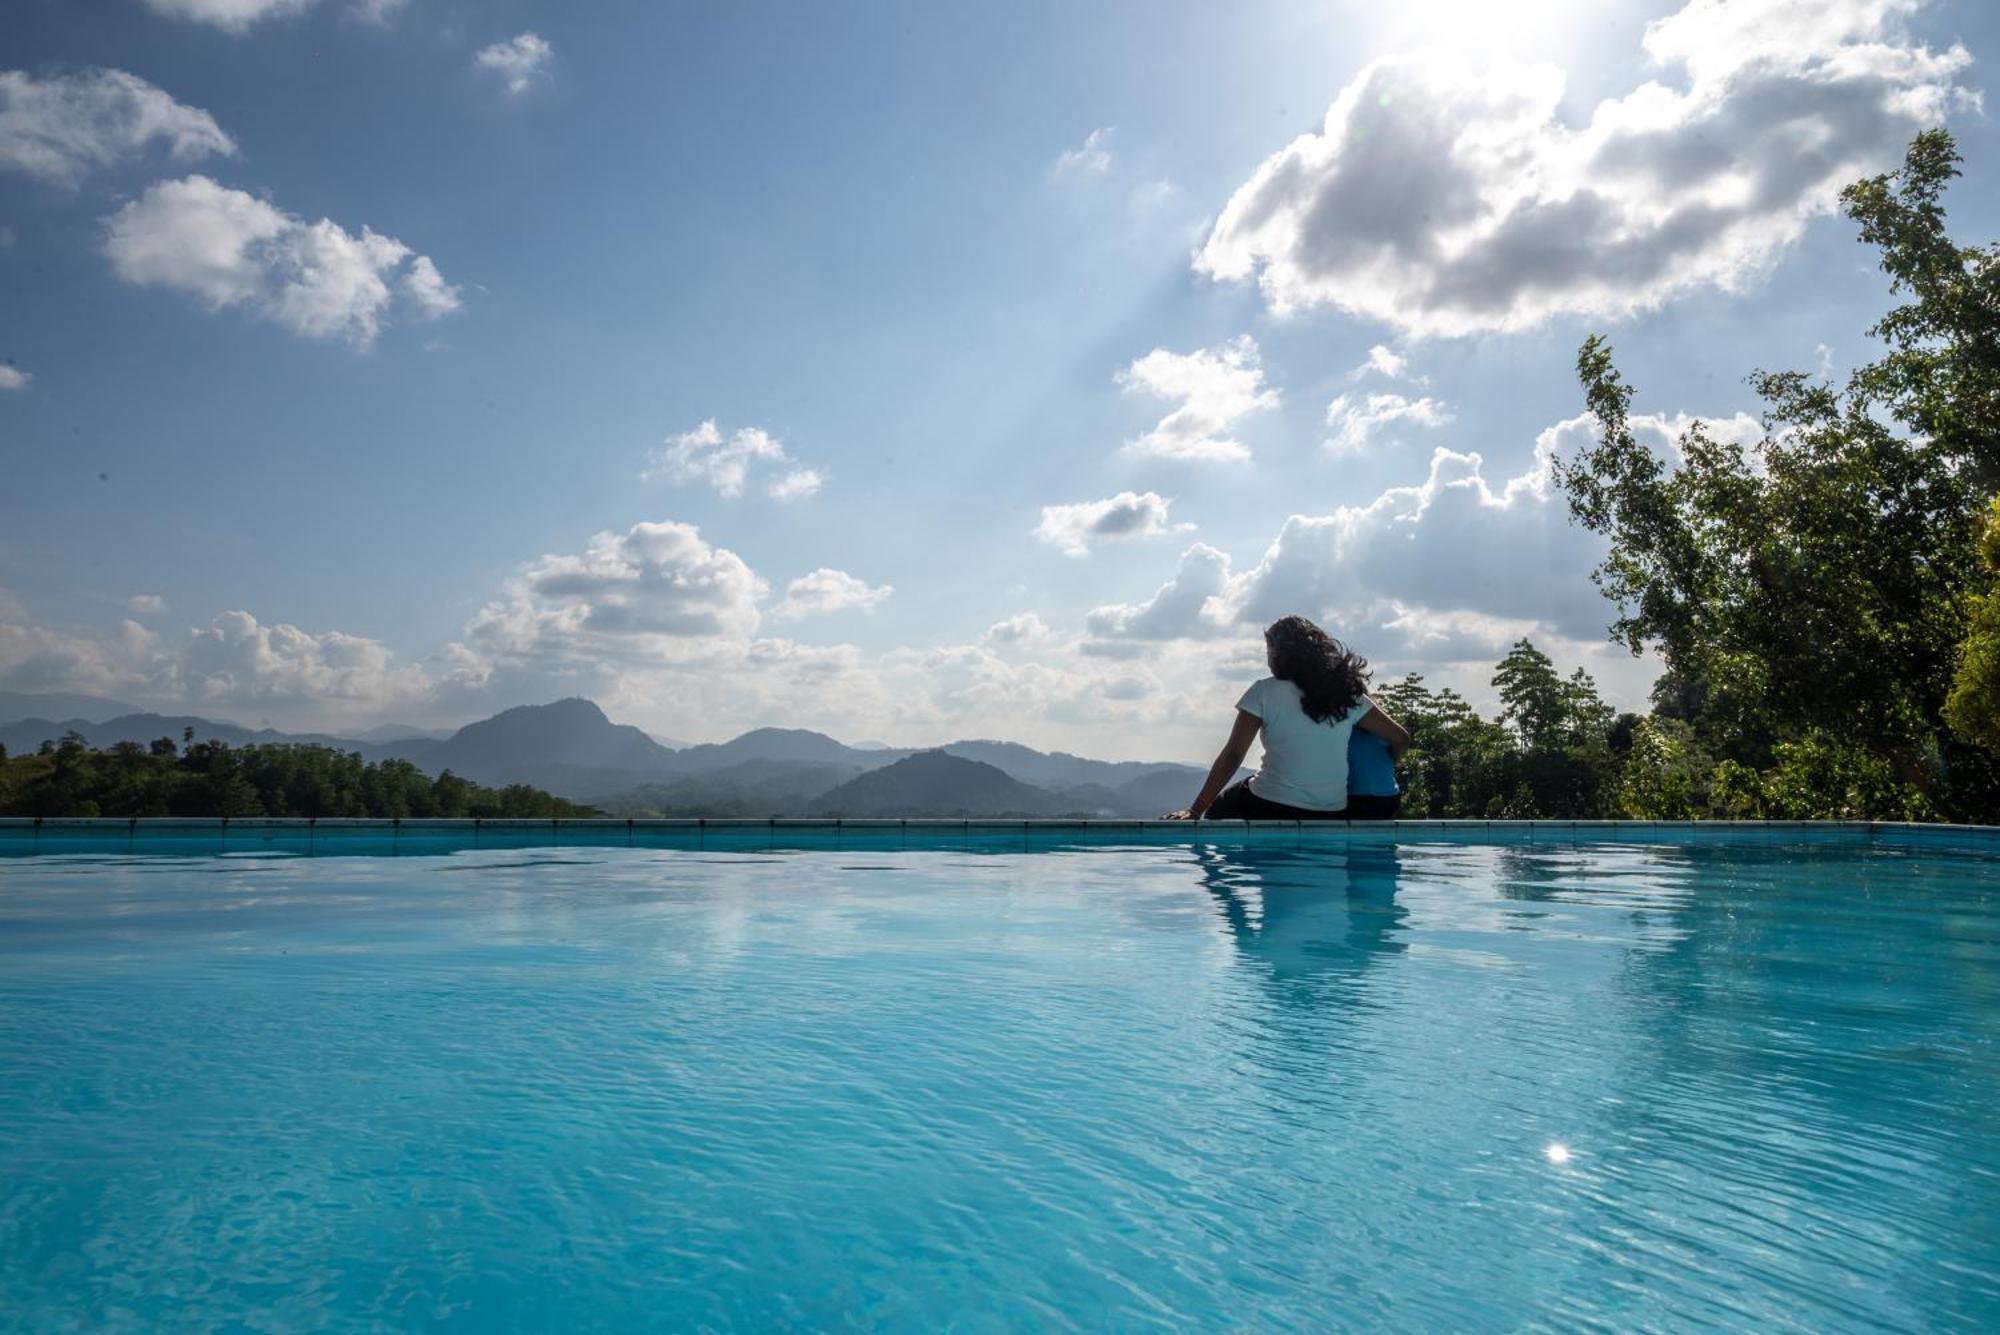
{"x":1810,"y":593}
{"x":68,"y":778}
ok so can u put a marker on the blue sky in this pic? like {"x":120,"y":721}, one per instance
{"x":1058,"y":319}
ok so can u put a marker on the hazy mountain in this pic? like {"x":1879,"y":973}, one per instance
{"x":1145,"y":796}
{"x":1058,"y":769}
{"x":755,"y":788}
{"x":27,"y":734}
{"x":402,"y":732}
{"x":935,"y":783}
{"x":18,"y":705}
{"x":569,"y":748}
{"x":795,"y":745}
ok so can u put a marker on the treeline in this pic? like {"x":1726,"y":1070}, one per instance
{"x":209,"y":778}
{"x":1825,"y":600}
{"x":1558,"y":751}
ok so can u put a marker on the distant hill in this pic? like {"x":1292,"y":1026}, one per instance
{"x":796,"y":745}
{"x":27,"y":734}
{"x":754,"y":788}
{"x":569,"y":748}
{"x":1059,"y":769}
{"x":566,"y":747}
{"x":18,"y":705}
{"x":402,"y":732}
{"x":936,"y":783}
{"x":1146,"y":796}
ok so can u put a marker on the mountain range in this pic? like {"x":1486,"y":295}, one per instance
{"x":571,"y":749}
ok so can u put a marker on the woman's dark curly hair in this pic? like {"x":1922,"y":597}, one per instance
{"x":1331,"y":678}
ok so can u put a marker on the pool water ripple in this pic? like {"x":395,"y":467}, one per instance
{"x":1422,"y":1086}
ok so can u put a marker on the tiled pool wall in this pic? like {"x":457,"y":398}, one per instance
{"x":20,"y":836}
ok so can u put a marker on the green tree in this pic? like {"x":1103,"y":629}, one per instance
{"x":1973,"y":707}
{"x":1809,"y":593}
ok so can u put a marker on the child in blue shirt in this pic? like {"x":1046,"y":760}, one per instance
{"x":1372,"y":793}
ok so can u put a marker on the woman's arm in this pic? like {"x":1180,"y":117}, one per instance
{"x":1395,"y":734}
{"x":1227,"y":762}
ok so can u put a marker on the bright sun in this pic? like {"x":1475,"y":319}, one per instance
{"x":1522,"y":29}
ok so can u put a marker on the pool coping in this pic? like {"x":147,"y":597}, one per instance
{"x":126,"y":823}
{"x":32,"y":836}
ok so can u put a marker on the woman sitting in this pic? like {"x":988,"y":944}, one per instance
{"x":1307,"y":711}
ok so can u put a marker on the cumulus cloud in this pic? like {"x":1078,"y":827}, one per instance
{"x":235,"y":659}
{"x":1358,"y":420}
{"x":1021,"y":628}
{"x":627,"y":594}
{"x":1453,"y":559}
{"x":1129,"y":514}
{"x":519,"y":60}
{"x":1386,"y":363}
{"x":825,"y":591}
{"x":1090,"y":158}
{"x":424,"y":285}
{"x":705,"y":456}
{"x":145,"y":604}
{"x":1214,"y":388}
{"x":797,"y":484}
{"x":229,"y":249}
{"x":44,"y":658}
{"x":234,"y":16}
{"x":12,"y":377}
{"x":60,"y":127}
{"x":1444,"y":198}
{"x":1191,"y":605}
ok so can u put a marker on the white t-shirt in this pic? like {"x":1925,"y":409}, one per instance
{"x":1305,"y":763}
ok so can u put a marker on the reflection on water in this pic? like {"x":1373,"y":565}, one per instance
{"x":1301,"y":914}
{"x":1443,"y":1086}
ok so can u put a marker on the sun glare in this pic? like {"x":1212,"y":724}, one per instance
{"x":1523,"y":29}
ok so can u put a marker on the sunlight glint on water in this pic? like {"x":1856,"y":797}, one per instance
{"x":1432,"y":1086}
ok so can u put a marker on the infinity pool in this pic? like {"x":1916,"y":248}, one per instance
{"x":1298,"y":1083}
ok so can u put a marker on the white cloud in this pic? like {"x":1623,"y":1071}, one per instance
{"x":824,"y":591}
{"x":705,"y":456}
{"x":1090,"y":158}
{"x":1021,"y":628}
{"x":1387,"y":364}
{"x":1447,"y":199}
{"x":230,"y":15}
{"x":145,"y":604}
{"x":227,"y":248}
{"x":12,"y":377}
{"x":519,"y":60}
{"x":798,"y":484}
{"x":1191,"y":605}
{"x":1452,"y":559}
{"x":237,"y":16}
{"x":1215,"y":387}
{"x":43,"y":658}
{"x":235,"y":659}
{"x":630,"y":594}
{"x":60,"y":127}
{"x":1358,"y":421}
{"x":424,"y":285}
{"x":1129,"y":514}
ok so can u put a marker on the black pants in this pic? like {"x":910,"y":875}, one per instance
{"x":1239,"y":803}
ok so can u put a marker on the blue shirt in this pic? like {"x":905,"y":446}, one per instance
{"x":1371,"y":771}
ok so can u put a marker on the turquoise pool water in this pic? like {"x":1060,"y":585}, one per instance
{"x":1288,"y":1083}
